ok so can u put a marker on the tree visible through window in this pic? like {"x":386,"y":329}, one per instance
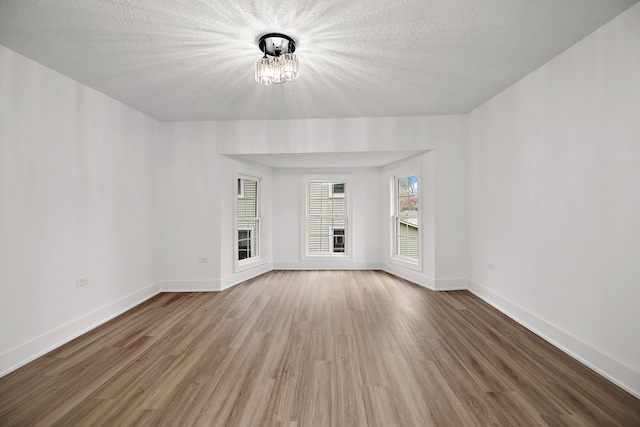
{"x":406,"y":217}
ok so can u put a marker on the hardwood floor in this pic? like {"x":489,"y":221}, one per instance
{"x":315,"y":348}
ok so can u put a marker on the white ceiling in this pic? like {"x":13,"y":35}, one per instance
{"x":194,"y":59}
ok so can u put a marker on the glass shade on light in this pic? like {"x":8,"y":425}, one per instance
{"x":288,"y":67}
{"x":279,"y":64}
{"x":265,"y":72}
{"x":279,"y":69}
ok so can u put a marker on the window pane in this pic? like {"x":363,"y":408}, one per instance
{"x":338,"y":237}
{"x":248,"y":198}
{"x":323,"y":200}
{"x":248,"y":224}
{"x":315,"y":198}
{"x":339,"y":206}
{"x":407,"y":237}
{"x":244,"y":244}
{"x":407,"y":195}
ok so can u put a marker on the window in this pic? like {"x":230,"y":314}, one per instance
{"x":327,"y":217}
{"x":405,"y":218}
{"x":248,"y":221}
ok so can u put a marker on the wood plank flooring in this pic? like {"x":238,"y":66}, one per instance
{"x":313,"y":348}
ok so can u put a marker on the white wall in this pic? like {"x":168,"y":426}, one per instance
{"x":555,"y":199}
{"x":452,"y":211}
{"x":74,"y":201}
{"x":187,"y":206}
{"x":365,"y":192}
{"x":340,"y":135}
{"x":446,"y":136}
{"x":194,"y":193}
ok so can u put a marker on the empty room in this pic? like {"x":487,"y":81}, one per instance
{"x":320,"y":213}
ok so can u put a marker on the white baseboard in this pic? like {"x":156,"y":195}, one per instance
{"x":621,"y":375}
{"x":190,"y":285}
{"x":214,"y":285}
{"x":327,"y":265}
{"x":411,"y":275}
{"x":459,"y":284}
{"x":243,"y":276}
{"x":18,"y":356}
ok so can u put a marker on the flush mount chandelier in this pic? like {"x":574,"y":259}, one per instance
{"x":279,"y":64}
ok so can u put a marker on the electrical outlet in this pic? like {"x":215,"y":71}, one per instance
{"x":491,"y":266}
{"x":82,"y":281}
{"x":203,"y":259}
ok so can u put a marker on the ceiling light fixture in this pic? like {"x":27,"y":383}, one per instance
{"x":279,"y":64}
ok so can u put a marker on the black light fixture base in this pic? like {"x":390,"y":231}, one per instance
{"x":276,"y":44}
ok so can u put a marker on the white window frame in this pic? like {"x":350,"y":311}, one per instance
{"x":260,"y":259}
{"x":395,"y":174}
{"x":241,"y":188}
{"x":347,"y":255}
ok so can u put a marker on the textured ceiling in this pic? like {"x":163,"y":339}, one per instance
{"x":194,"y":59}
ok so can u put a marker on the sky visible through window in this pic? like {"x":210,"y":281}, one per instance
{"x":408,"y":194}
